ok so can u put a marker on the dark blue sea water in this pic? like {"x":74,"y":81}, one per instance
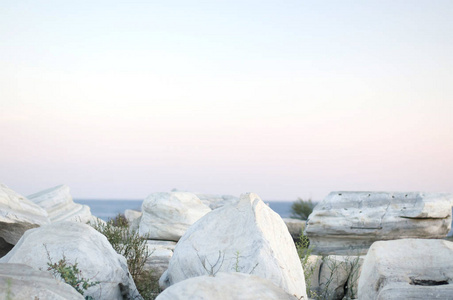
{"x":108,"y":209}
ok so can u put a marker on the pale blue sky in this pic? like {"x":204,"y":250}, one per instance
{"x":285,"y":99}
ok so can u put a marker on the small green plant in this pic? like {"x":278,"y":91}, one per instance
{"x":70,"y":274}
{"x":301,"y":209}
{"x":304,"y":250}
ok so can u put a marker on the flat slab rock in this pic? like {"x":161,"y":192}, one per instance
{"x":225,"y":286}
{"x":347,"y":223}
{"x":58,"y":203}
{"x":17,"y":215}
{"x":408,"y":269}
{"x":19,"y":281}
{"x":160,"y":255}
{"x":246,"y":237}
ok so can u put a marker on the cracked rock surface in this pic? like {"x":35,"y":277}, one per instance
{"x":347,"y":223}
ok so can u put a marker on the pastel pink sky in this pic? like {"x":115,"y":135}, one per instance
{"x":287,"y":100}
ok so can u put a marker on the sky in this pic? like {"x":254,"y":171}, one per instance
{"x":287,"y":99}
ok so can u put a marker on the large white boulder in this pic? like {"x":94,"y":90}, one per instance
{"x":215,"y":201}
{"x":58,"y":203}
{"x":18,"y":281}
{"x":166,"y":216}
{"x":347,"y":223}
{"x":408,"y":269}
{"x":246,"y":237}
{"x":17,"y":214}
{"x":81,"y":244}
{"x":226,"y":286}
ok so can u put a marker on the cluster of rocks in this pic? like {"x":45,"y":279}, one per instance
{"x":48,"y":227}
{"x":376,"y":245}
{"x":365,"y":245}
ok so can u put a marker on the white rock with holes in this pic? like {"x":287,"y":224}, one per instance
{"x":408,"y":269}
{"x":166,"y":216}
{"x":226,"y":286}
{"x":247,"y":237}
{"x":78,"y":243}
{"x":347,"y":223}
{"x":58,"y":203}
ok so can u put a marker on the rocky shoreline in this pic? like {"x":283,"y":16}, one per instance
{"x":364,"y":245}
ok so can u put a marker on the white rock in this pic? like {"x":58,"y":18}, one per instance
{"x":166,"y":216}
{"x":161,"y":253}
{"x":17,"y":214}
{"x":81,"y":244}
{"x":216,"y":201}
{"x":18,"y":281}
{"x":225,"y":286}
{"x":247,"y":237}
{"x":58,"y":203}
{"x":347,"y":223}
{"x":408,"y":269}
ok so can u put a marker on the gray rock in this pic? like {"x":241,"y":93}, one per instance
{"x":58,"y":203}
{"x":247,"y":237}
{"x":215,"y":201}
{"x":226,"y":286}
{"x":81,"y":244}
{"x":347,"y":223}
{"x":295,"y":227}
{"x":161,"y":253}
{"x":166,"y":216}
{"x":17,"y":215}
{"x":408,"y":269}
{"x":18,"y":281}
{"x":133,"y":217}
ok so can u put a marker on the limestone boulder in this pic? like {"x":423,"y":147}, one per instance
{"x":160,"y":255}
{"x":166,"y":216}
{"x":18,"y":281}
{"x":77,"y":243}
{"x":58,"y":203}
{"x":347,"y":223}
{"x":246,"y":237}
{"x":225,"y":286}
{"x":215,"y":201}
{"x":17,"y":214}
{"x":408,"y":269}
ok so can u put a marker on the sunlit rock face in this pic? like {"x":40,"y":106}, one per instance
{"x":246,"y":237}
{"x":167,"y":216}
{"x":408,"y":269}
{"x":19,"y":281}
{"x":347,"y":223}
{"x":77,"y":243}
{"x":58,"y":203}
{"x":228,"y":286}
{"x":17,"y":215}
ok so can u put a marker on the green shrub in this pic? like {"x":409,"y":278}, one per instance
{"x":132,"y":246}
{"x":301,"y":209}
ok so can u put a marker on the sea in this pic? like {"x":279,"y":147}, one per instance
{"x":109,"y":209}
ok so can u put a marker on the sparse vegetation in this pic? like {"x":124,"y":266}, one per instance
{"x":70,"y":273}
{"x":132,"y":246}
{"x":301,"y":209}
{"x":325,"y":289}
